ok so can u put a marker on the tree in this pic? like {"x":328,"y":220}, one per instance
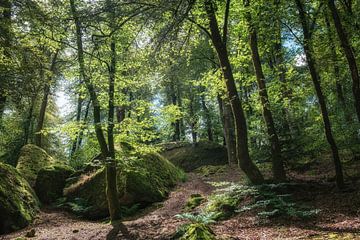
{"x":277,"y":161}
{"x":349,"y":54}
{"x":316,"y":81}
{"x":107,"y":151}
{"x":243,"y":156}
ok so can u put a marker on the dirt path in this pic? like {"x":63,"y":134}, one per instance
{"x":158,"y":224}
{"x":339,"y":218}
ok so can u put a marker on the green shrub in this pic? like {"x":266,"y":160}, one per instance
{"x":194,"y":201}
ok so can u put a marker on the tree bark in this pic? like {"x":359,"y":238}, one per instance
{"x":250,"y":169}
{"x":277,"y":161}
{"x":44,"y":102}
{"x":316,"y":81}
{"x":349,"y":54}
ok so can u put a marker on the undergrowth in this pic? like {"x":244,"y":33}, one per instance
{"x":264,"y":199}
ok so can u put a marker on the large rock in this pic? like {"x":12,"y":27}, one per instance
{"x":31,"y":160}
{"x":192,"y":156}
{"x":141,"y":180}
{"x":50,"y":182}
{"x":18,"y":202}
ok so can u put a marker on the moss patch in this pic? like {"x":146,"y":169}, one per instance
{"x":31,"y":160}
{"x":141,"y":179}
{"x":209,"y":170}
{"x":189,"y":156}
{"x":50,"y":182}
{"x":18,"y":202}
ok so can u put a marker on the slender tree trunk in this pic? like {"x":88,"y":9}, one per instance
{"x":193,"y":120}
{"x":111,"y":173}
{"x":250,"y":169}
{"x":349,"y":54}
{"x":44,"y":102}
{"x":107,"y":152}
{"x":277,"y":161}
{"x":78,"y":118}
{"x":81,"y":134}
{"x":339,"y":88}
{"x":316,"y":81}
{"x":207,"y":119}
{"x":29,"y":120}
{"x":280,"y":69}
{"x":176,"y":124}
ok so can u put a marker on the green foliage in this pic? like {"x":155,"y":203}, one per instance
{"x":266,"y":202}
{"x":197,"y":229}
{"x":194,"y":201}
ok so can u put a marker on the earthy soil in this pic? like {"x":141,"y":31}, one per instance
{"x":339,"y":217}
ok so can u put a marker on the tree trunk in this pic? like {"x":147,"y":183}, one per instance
{"x":349,"y":54}
{"x":107,"y":152}
{"x":81,"y":134}
{"x":334,"y":58}
{"x":277,"y":161}
{"x":28,"y":121}
{"x":176,"y":124}
{"x":111,"y":174}
{"x":44,"y":102}
{"x":78,"y":118}
{"x":208,"y":121}
{"x":316,"y":81}
{"x":227,"y":120}
{"x":250,"y":169}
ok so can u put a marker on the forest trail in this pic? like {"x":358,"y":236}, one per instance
{"x":160,"y":223}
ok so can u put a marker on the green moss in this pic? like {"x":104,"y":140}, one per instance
{"x":209,"y":170}
{"x":142,"y":179}
{"x":31,"y":160}
{"x":18,"y":202}
{"x":50,"y":182}
{"x":194,"y":201}
{"x":189,"y":156}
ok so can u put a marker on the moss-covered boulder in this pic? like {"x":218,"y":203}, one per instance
{"x":31,"y":160}
{"x":50,"y":182}
{"x":191,"y":156}
{"x":142,"y":180}
{"x":18,"y":202}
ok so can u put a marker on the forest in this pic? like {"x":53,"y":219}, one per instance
{"x":179,"y":119}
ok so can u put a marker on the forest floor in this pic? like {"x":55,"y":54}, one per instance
{"x":339,"y":217}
